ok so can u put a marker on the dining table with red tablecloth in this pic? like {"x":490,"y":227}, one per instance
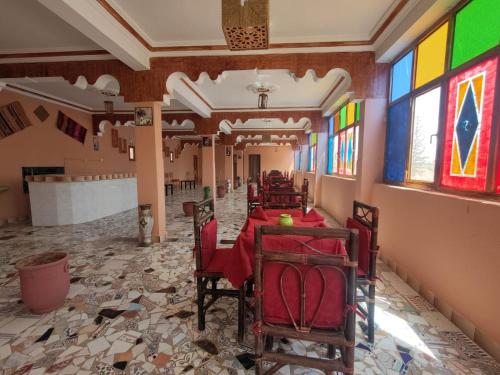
{"x":241,"y":265}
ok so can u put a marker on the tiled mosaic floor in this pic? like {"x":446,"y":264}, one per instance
{"x":131,"y":310}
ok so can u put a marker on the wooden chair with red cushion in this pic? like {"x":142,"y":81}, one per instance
{"x":254,"y":197}
{"x":210,"y":262}
{"x":305,"y":289}
{"x":365,"y":219}
{"x":284,"y":200}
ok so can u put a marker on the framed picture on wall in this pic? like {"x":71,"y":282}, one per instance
{"x":95,"y":143}
{"x":131,"y":153}
{"x":123,"y":146}
{"x":114,"y":138}
{"x":171,"y":156}
{"x":228,"y":151}
{"x":143,"y":116}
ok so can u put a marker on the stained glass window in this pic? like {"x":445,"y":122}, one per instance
{"x":424,"y":136}
{"x":358,"y":111}
{"x":356,"y":149}
{"x":477,"y":29}
{"x":343,"y":117}
{"x":335,"y":158}
{"x":329,"y":167}
{"x":468,"y":127}
{"x":312,"y":152}
{"x":401,"y":76}
{"x":396,"y":148}
{"x":431,"y":56}
{"x":342,"y":152}
{"x":351,"y":113}
{"x":349,"y":152}
{"x":336,"y":122}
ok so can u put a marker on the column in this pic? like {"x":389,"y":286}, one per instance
{"x":229,"y":164}
{"x":208,"y":164}
{"x":150,"y":170}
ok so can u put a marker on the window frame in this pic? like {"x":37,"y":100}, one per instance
{"x":311,"y":153}
{"x":355,"y":125}
{"x":443,"y":82}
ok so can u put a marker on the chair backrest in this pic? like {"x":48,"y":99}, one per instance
{"x":205,"y":226}
{"x":306,"y":277}
{"x":285,"y":199}
{"x":365,"y":219}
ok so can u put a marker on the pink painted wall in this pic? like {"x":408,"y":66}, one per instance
{"x":44,"y":145}
{"x":271,"y":157}
{"x":183,"y":166}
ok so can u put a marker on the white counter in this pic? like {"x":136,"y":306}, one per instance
{"x":61,"y":203}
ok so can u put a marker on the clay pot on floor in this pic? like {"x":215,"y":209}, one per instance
{"x":188,"y":208}
{"x":44,"y":281}
{"x":221,"y":191}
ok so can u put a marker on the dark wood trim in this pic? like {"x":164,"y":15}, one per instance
{"x":53,"y":54}
{"x":341,"y":43}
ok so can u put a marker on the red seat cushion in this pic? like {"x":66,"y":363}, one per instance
{"x":365,"y":237}
{"x":259,"y":214}
{"x":331,"y":313}
{"x":208,"y":243}
{"x":360,"y":272}
{"x":313,"y":215}
{"x":218,"y":261}
{"x":275,"y":212}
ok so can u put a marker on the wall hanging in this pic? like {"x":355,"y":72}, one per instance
{"x":71,"y":127}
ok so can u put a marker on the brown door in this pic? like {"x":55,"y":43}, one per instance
{"x":195,"y":167}
{"x":235,"y":167}
{"x":254,"y":167}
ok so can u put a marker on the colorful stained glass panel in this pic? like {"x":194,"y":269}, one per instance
{"x":396,"y":147}
{"x":342,"y":147}
{"x":468,"y":127}
{"x":349,"y":156}
{"x":336,"y":122}
{"x":343,"y":117}
{"x":401,"y":76}
{"x":431,"y":56}
{"x":358,"y":111}
{"x":477,"y":29}
{"x":356,"y":149}
{"x":351,"y":113}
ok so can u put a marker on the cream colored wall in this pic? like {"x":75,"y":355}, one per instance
{"x":44,"y":145}
{"x":271,"y":157}
{"x":220,"y":164}
{"x":184,"y":163}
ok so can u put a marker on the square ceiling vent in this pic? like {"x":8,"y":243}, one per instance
{"x":246,"y":24}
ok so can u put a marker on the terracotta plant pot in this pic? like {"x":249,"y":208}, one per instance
{"x":44,"y":281}
{"x":221,"y":191}
{"x":188,"y":208}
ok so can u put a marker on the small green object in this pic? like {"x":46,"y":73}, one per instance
{"x":207,"y":192}
{"x":3,"y":188}
{"x":286,"y":220}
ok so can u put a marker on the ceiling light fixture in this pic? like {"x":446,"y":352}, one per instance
{"x":262,"y":102}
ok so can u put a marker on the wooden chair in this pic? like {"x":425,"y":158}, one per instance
{"x":254,"y":198}
{"x":305,"y":289}
{"x":210,"y":262}
{"x":285,"y":199}
{"x":365,"y":219}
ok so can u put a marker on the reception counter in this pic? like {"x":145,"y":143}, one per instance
{"x":62,"y":200}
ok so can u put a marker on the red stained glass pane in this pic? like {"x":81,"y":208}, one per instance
{"x":468,"y":127}
{"x":342,"y":148}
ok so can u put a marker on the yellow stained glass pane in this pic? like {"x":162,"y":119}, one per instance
{"x":431,"y":56}
{"x":351,"y":113}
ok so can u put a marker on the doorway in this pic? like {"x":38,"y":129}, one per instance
{"x":254,"y":167}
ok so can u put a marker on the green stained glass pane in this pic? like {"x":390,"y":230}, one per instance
{"x":314,"y":138}
{"x":477,"y":29}
{"x":343,"y":117}
{"x":358,"y":111}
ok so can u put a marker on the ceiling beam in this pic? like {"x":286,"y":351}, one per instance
{"x":91,"y":19}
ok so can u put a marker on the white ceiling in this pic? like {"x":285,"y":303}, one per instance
{"x":28,"y":26}
{"x":269,"y":123}
{"x":198,"y":22}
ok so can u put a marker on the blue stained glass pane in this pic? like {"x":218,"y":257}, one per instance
{"x":396,"y":147}
{"x":330,"y":154}
{"x":401,"y":76}
{"x":330,"y":125}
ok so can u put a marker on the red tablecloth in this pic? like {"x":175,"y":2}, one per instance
{"x":240,"y":266}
